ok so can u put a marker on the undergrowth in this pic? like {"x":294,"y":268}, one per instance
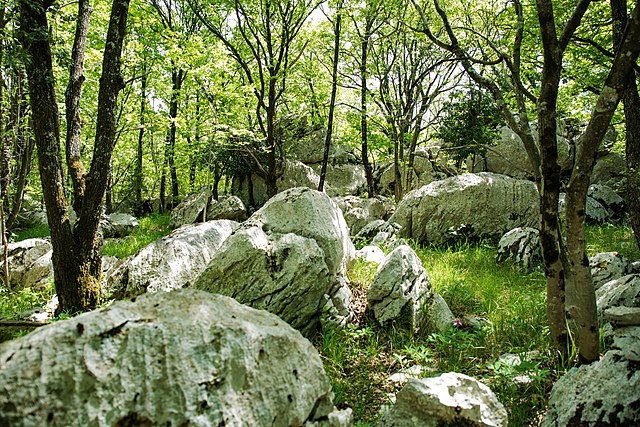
{"x":152,"y":228}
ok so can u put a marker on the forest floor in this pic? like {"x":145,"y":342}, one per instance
{"x":501,"y":335}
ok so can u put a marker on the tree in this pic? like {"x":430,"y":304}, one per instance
{"x":261,"y":36}
{"x":77,"y":255}
{"x":570,"y":294}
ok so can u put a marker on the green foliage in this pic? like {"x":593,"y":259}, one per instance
{"x":152,"y":228}
{"x":469,"y":123}
{"x":13,"y":303}
{"x":30,"y":233}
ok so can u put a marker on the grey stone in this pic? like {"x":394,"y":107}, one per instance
{"x":191,"y":209}
{"x":625,"y":340}
{"x":399,"y":289}
{"x":522,"y":246}
{"x":358,"y":212}
{"x":471,"y":206}
{"x":609,"y":199}
{"x":605,"y":392}
{"x":227,"y":207}
{"x":623,"y":316}
{"x":285,"y":258}
{"x":609,"y":169}
{"x":179,"y":358}
{"x":606,"y":266}
{"x":173,"y":262}
{"x":451,"y":399}
{"x":30,"y":263}
{"x":439,"y":317}
{"x":595,"y":212}
{"x":624,"y":291}
{"x":343,"y":178}
{"x":371,"y":253}
{"x":118,"y":224}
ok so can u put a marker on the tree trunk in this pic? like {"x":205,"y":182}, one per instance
{"x":332,"y":103}
{"x":4,"y":163}
{"x":72,"y":104}
{"x":177,"y":78}
{"x":631,"y":103}
{"x":368,"y":170}
{"x":77,"y":257}
{"x":138,"y":173}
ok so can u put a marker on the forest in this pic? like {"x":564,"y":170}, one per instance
{"x":135,"y":106}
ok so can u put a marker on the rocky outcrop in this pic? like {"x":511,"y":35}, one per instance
{"x":471,"y":206}
{"x":624,"y":292}
{"x":118,"y":224}
{"x":358,"y":212}
{"x":607,"y":266}
{"x":30,"y":263}
{"x":289,"y":258}
{"x":172,"y":262}
{"x":609,"y":169}
{"x":226,"y":207}
{"x":401,"y":293}
{"x":179,"y":358}
{"x":451,"y":399}
{"x":522,"y":246}
{"x":191,"y":209}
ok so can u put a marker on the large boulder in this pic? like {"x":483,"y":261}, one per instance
{"x":290,"y":258}
{"x":609,"y":169}
{"x":609,"y":199}
{"x":509,"y":157}
{"x":30,"y":263}
{"x":604,"y":393}
{"x":343,"y":178}
{"x":399,"y":288}
{"x":624,"y":291}
{"x":522,"y":246}
{"x":118,"y":224}
{"x":180,"y":358}
{"x":172,"y":262}
{"x":451,"y":399}
{"x":607,"y":266}
{"x":358,"y":212}
{"x":191,"y":209}
{"x":473,"y":206}
{"x":227,"y":207}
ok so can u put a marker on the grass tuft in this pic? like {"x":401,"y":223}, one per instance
{"x":152,"y":228}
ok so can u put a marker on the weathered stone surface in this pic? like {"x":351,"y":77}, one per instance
{"x":451,"y":399}
{"x":607,"y":266}
{"x":172,"y":262}
{"x":609,"y":169}
{"x":30,"y":263}
{"x":118,"y":224}
{"x":358,"y":212}
{"x":285,"y":274}
{"x":179,"y":358}
{"x":609,"y":199}
{"x":606,"y":392}
{"x":522,"y":246}
{"x":190,"y":209}
{"x":509,"y":156}
{"x":624,"y":291}
{"x":439,"y":317}
{"x":372,"y":229}
{"x":288,"y":258}
{"x":482,"y":205}
{"x":227,"y":207}
{"x":596,"y":213}
{"x":371,"y":254}
{"x":343,"y":178}
{"x":623,"y":316}
{"x":625,"y":340}
{"x":399,"y":289}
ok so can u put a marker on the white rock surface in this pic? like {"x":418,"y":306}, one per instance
{"x":482,"y":205}
{"x":619,"y":292}
{"x":451,"y":399}
{"x":179,"y":358}
{"x":190,"y":209}
{"x":522,"y":246}
{"x":399,"y":288}
{"x":30,"y":263}
{"x":173,"y":262}
{"x":227,"y":207}
{"x":607,"y":266}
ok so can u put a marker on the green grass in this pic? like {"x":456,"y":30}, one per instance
{"x":152,"y":228}
{"x":612,"y":238}
{"x":30,"y":233}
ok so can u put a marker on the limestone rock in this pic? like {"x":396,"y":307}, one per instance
{"x":371,"y":254}
{"x":624,"y":291}
{"x":118,"y":224}
{"x":606,"y":392}
{"x":399,"y":289}
{"x":607,"y":266}
{"x":623,"y":316}
{"x":289,"y":258}
{"x":472,"y":206}
{"x":609,"y":169}
{"x":439,"y":317}
{"x":190,"y":209}
{"x":173,"y":262}
{"x":285,"y":274}
{"x":596,"y":213}
{"x":343,"y":178}
{"x":608,"y":198}
{"x":451,"y":399}
{"x":227,"y":207}
{"x":522,"y":246}
{"x":179,"y":358}
{"x":30,"y":263}
{"x":358,"y":212}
